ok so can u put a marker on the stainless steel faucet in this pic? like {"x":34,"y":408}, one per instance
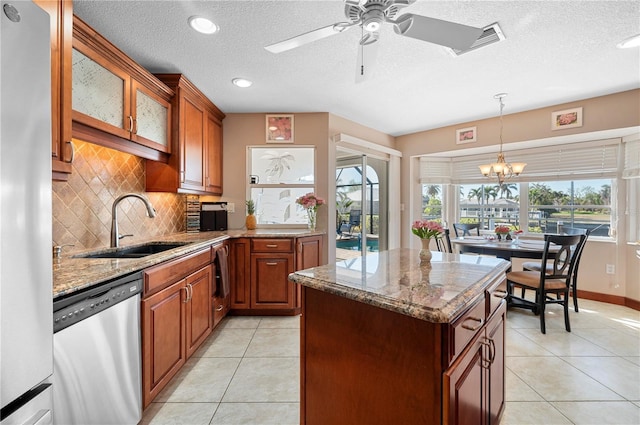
{"x":115,"y":236}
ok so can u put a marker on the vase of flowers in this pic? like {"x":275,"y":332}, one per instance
{"x":311,"y":202}
{"x":502,"y":231}
{"x":425,"y":230}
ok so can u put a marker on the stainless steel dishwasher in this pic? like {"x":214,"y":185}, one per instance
{"x":97,"y":373}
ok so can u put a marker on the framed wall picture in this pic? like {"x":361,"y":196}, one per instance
{"x":466,"y":135}
{"x":279,"y":128}
{"x":569,"y":118}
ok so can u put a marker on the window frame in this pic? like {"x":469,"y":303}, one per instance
{"x":309,"y":187}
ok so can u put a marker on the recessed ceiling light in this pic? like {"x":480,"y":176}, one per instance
{"x":203,"y":25}
{"x":629,"y":42}
{"x":242,"y":82}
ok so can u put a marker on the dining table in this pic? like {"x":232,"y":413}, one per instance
{"x":505,"y":249}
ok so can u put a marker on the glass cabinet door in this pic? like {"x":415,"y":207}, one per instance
{"x":151,"y":119}
{"x":100,"y":95}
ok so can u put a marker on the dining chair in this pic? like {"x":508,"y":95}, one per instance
{"x":466,"y":229}
{"x":535,"y":266}
{"x":561,"y":252}
{"x":443,"y":243}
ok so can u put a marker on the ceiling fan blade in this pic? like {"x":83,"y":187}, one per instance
{"x":367,"y":59}
{"x":444,"y":33}
{"x":308,"y":37}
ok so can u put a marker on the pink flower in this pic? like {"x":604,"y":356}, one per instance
{"x":310,"y":201}
{"x":425,"y":229}
{"x":502,"y":230}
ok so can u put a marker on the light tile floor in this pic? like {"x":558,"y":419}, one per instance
{"x":247,"y":372}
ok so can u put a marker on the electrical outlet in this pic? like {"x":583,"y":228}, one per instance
{"x":611,"y":269}
{"x":231,"y":207}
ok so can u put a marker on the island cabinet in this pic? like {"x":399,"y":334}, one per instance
{"x":259,"y":270}
{"x":195,"y":165}
{"x":387,"y":340}
{"x":176,"y":317}
{"x":115,"y":101}
{"x":61,"y":19}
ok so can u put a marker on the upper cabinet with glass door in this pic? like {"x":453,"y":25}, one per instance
{"x":114,"y":95}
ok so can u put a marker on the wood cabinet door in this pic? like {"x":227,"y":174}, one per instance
{"x":61,"y":22}
{"x":151,"y":118}
{"x":192,"y":134}
{"x":213,"y":161}
{"x":163,"y":339}
{"x":239,"y":272}
{"x":270,"y":286}
{"x":199,"y":314}
{"x":496,"y":380}
{"x":464,"y":387}
{"x":309,"y":252}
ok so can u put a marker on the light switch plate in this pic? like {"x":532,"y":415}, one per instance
{"x":231,"y":207}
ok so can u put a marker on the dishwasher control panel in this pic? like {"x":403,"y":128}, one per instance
{"x":70,"y":310}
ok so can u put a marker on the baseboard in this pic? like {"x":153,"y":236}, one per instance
{"x":611,"y":299}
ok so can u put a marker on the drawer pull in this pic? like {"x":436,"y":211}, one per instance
{"x":271,"y":245}
{"x":500,"y":294}
{"x":220,"y":308}
{"x":472,"y":319}
{"x":271,"y":264}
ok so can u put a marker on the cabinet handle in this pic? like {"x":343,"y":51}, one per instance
{"x":472,"y":319}
{"x":500,"y":294}
{"x":220,"y":308}
{"x":271,"y":264}
{"x":130,"y":124}
{"x":272,"y":245}
{"x":186,"y":294}
{"x":486,"y":363}
{"x":190,"y":291}
{"x":73,"y":151}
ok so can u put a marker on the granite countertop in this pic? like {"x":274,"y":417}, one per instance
{"x":72,"y":274}
{"x":396,"y":281}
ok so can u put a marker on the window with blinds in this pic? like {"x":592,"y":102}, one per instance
{"x":566,"y":162}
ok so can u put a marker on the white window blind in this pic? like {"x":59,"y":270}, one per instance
{"x":435,"y":170}
{"x":565,"y":162}
{"x":631,"y":169}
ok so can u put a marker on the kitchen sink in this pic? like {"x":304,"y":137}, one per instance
{"x":136,"y":251}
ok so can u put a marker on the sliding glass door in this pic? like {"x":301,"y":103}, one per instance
{"x":362,"y":213}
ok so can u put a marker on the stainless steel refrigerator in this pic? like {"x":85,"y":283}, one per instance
{"x":26,"y":317}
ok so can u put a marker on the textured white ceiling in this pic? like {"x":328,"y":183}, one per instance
{"x":554,"y":52}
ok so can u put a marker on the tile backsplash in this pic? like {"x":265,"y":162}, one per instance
{"x":82,"y":205}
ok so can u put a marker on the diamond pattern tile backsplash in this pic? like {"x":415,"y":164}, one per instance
{"x":82,"y":205}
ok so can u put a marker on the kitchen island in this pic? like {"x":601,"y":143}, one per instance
{"x":386,"y":339}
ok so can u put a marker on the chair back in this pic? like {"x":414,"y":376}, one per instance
{"x":561,"y":253}
{"x":443,"y":243}
{"x":575,"y":231}
{"x":354,"y":217}
{"x":465,"y":229}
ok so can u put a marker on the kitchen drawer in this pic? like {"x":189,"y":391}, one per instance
{"x":161,"y":276}
{"x":466,"y":327}
{"x":271,"y":245}
{"x":494,"y":296}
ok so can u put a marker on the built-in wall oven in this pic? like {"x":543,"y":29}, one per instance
{"x":97,"y":372}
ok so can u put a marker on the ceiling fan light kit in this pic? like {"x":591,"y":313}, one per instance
{"x":371,"y":14}
{"x":501,"y":169}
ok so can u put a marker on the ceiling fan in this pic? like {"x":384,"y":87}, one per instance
{"x":370,"y":15}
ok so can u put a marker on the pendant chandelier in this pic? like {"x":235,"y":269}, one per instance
{"x":501,"y":169}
